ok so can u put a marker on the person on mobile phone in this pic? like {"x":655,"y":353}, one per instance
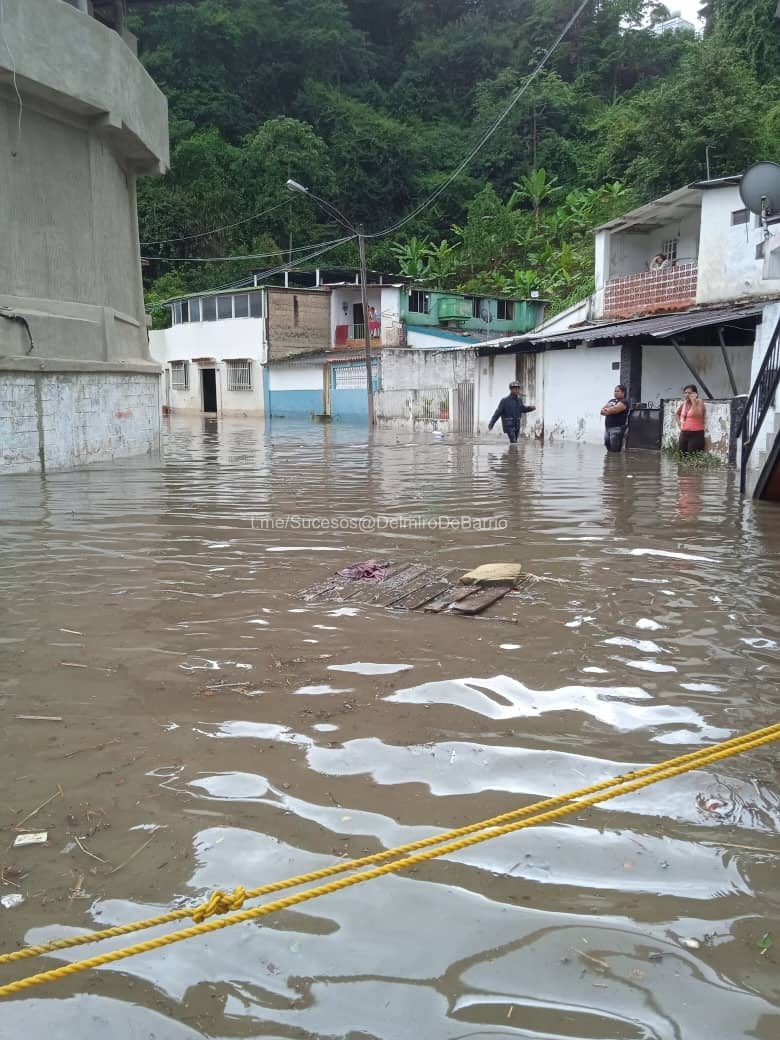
{"x":691,"y":417}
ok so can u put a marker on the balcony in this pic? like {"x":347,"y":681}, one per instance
{"x":355,"y":335}
{"x":649,"y":292}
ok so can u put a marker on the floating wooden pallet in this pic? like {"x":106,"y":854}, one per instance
{"x":410,"y":586}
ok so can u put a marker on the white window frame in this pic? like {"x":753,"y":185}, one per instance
{"x":238,"y":375}
{"x":182,"y":367}
{"x":669,"y":249}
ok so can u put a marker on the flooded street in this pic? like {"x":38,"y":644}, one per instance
{"x":217,"y":731}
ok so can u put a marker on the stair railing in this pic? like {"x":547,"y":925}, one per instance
{"x":758,"y":403}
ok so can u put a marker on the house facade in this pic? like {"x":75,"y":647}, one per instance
{"x":297,"y":352}
{"x":685,"y":287}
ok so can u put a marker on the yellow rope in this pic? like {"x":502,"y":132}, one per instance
{"x":220,"y":901}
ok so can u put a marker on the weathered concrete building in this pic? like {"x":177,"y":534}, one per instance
{"x":80,"y":120}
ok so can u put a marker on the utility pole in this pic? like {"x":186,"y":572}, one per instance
{"x":366,"y":329}
{"x":358,"y":233}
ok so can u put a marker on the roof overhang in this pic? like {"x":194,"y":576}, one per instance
{"x":669,"y":208}
{"x":663,"y":328}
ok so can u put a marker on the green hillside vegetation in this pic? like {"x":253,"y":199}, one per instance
{"x":373,"y":103}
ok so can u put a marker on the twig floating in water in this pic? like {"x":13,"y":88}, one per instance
{"x":93,"y":747}
{"x":136,"y":853}
{"x":87,"y":852}
{"x":29,"y":816}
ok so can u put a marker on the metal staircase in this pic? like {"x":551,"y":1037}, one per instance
{"x":760,"y":404}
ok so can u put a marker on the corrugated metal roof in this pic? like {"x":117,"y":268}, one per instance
{"x":660,"y":327}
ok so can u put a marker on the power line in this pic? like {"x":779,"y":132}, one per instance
{"x":259,"y":276}
{"x":247,"y":256}
{"x":213,"y":231}
{"x":326,"y":247}
{"x":488,"y":133}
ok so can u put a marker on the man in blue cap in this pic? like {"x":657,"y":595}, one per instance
{"x":509,"y":411}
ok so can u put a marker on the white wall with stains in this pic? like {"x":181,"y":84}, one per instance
{"x":717,"y":426}
{"x":664,"y":374}
{"x":574,"y":386}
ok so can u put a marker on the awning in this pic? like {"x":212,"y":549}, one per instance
{"x":660,"y":327}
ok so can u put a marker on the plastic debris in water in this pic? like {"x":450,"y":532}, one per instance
{"x":12,"y":900}
{"x":33,"y":838}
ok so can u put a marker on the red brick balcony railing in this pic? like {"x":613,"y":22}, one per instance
{"x":650,"y":291}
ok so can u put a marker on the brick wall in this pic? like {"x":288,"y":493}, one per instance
{"x":651,"y":291}
{"x":298,"y":322}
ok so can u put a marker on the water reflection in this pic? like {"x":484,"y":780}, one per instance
{"x":216,"y":730}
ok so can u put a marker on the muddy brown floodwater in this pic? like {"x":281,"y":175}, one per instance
{"x":216,"y":730}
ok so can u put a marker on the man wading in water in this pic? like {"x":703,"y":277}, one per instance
{"x":509,"y":411}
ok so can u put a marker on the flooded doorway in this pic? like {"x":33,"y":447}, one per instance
{"x":208,"y":383}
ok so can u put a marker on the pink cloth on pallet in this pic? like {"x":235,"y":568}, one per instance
{"x":371,"y":570}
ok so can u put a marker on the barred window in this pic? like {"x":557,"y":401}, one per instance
{"x":349,"y":376}
{"x":669,"y":249}
{"x":239,"y":375}
{"x":180,"y":375}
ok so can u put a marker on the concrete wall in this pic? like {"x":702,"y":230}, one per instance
{"x":664,"y":374}
{"x":728,"y":266}
{"x":295,"y":390}
{"x":92,"y":120}
{"x":494,"y":376}
{"x":390,"y":303}
{"x":298,"y":321}
{"x":63,"y":420}
{"x":409,"y":377}
{"x":232,"y":338}
{"x":575,"y":385}
{"x":717,"y":426}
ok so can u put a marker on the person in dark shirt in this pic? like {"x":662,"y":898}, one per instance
{"x":615,"y":413}
{"x":510,"y":410}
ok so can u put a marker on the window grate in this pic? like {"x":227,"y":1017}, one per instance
{"x":239,"y":375}
{"x":180,"y":375}
{"x":669,"y":249}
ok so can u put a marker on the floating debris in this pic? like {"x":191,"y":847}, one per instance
{"x":10,"y":901}
{"x":31,"y":838}
{"x":415,"y":586}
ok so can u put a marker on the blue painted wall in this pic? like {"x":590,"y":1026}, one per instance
{"x":295,"y":402}
{"x":349,"y":403}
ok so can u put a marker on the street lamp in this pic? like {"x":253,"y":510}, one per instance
{"x":358,"y":233}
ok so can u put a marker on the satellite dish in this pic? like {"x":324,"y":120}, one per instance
{"x":759,"y":189}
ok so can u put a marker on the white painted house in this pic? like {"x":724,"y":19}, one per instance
{"x":684,"y":293}
{"x":213,"y":354}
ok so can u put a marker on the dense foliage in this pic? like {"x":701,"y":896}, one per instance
{"x":373,"y":103}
